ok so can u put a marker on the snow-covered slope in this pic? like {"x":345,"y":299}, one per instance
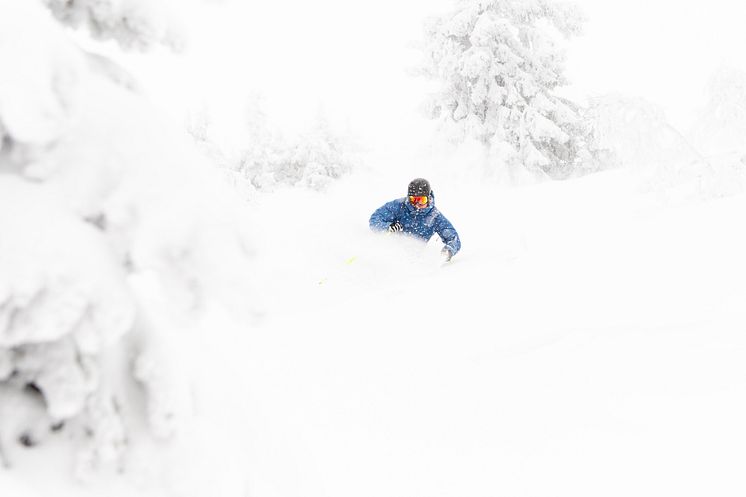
{"x":590,"y":347}
{"x":587,"y":340}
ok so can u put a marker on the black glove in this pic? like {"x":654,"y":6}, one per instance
{"x":396,"y":226}
{"x":446,"y":254}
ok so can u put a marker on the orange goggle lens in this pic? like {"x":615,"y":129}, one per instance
{"x":418,"y":200}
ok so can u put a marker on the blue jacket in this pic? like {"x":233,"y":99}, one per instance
{"x":421,"y":223}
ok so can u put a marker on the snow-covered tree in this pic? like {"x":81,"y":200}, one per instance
{"x":721,"y":124}
{"x":134,"y":24}
{"x":635,"y":134}
{"x":314,"y":159}
{"x":499,"y":64}
{"x":632,"y":132}
{"x":719,"y":131}
{"x":115,"y":240}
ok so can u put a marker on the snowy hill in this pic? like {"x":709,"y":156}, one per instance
{"x":561,"y":350}
{"x":584,"y":350}
{"x":162,"y":334}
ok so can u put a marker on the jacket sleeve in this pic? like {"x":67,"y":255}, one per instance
{"x":448,"y":234}
{"x":382,"y":218}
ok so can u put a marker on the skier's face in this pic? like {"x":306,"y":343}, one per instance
{"x":419,"y":202}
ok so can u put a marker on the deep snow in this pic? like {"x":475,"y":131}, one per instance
{"x":588,"y":340}
{"x":591,"y":348}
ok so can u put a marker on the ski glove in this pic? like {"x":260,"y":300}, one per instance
{"x":396,"y":227}
{"x":446,"y":254}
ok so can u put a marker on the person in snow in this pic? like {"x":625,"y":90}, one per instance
{"x":417,"y":216}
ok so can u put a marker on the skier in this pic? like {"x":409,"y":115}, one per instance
{"x":416,"y":215}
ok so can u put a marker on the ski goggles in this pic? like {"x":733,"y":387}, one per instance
{"x":418,"y":200}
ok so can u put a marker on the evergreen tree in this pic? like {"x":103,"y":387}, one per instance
{"x":109,"y":238}
{"x":721,"y":123}
{"x":313,"y":159}
{"x":499,"y":64}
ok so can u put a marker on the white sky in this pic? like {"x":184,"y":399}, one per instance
{"x":350,"y":59}
{"x":662,"y":50}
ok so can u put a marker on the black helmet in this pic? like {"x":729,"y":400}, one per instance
{"x":419,"y":187}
